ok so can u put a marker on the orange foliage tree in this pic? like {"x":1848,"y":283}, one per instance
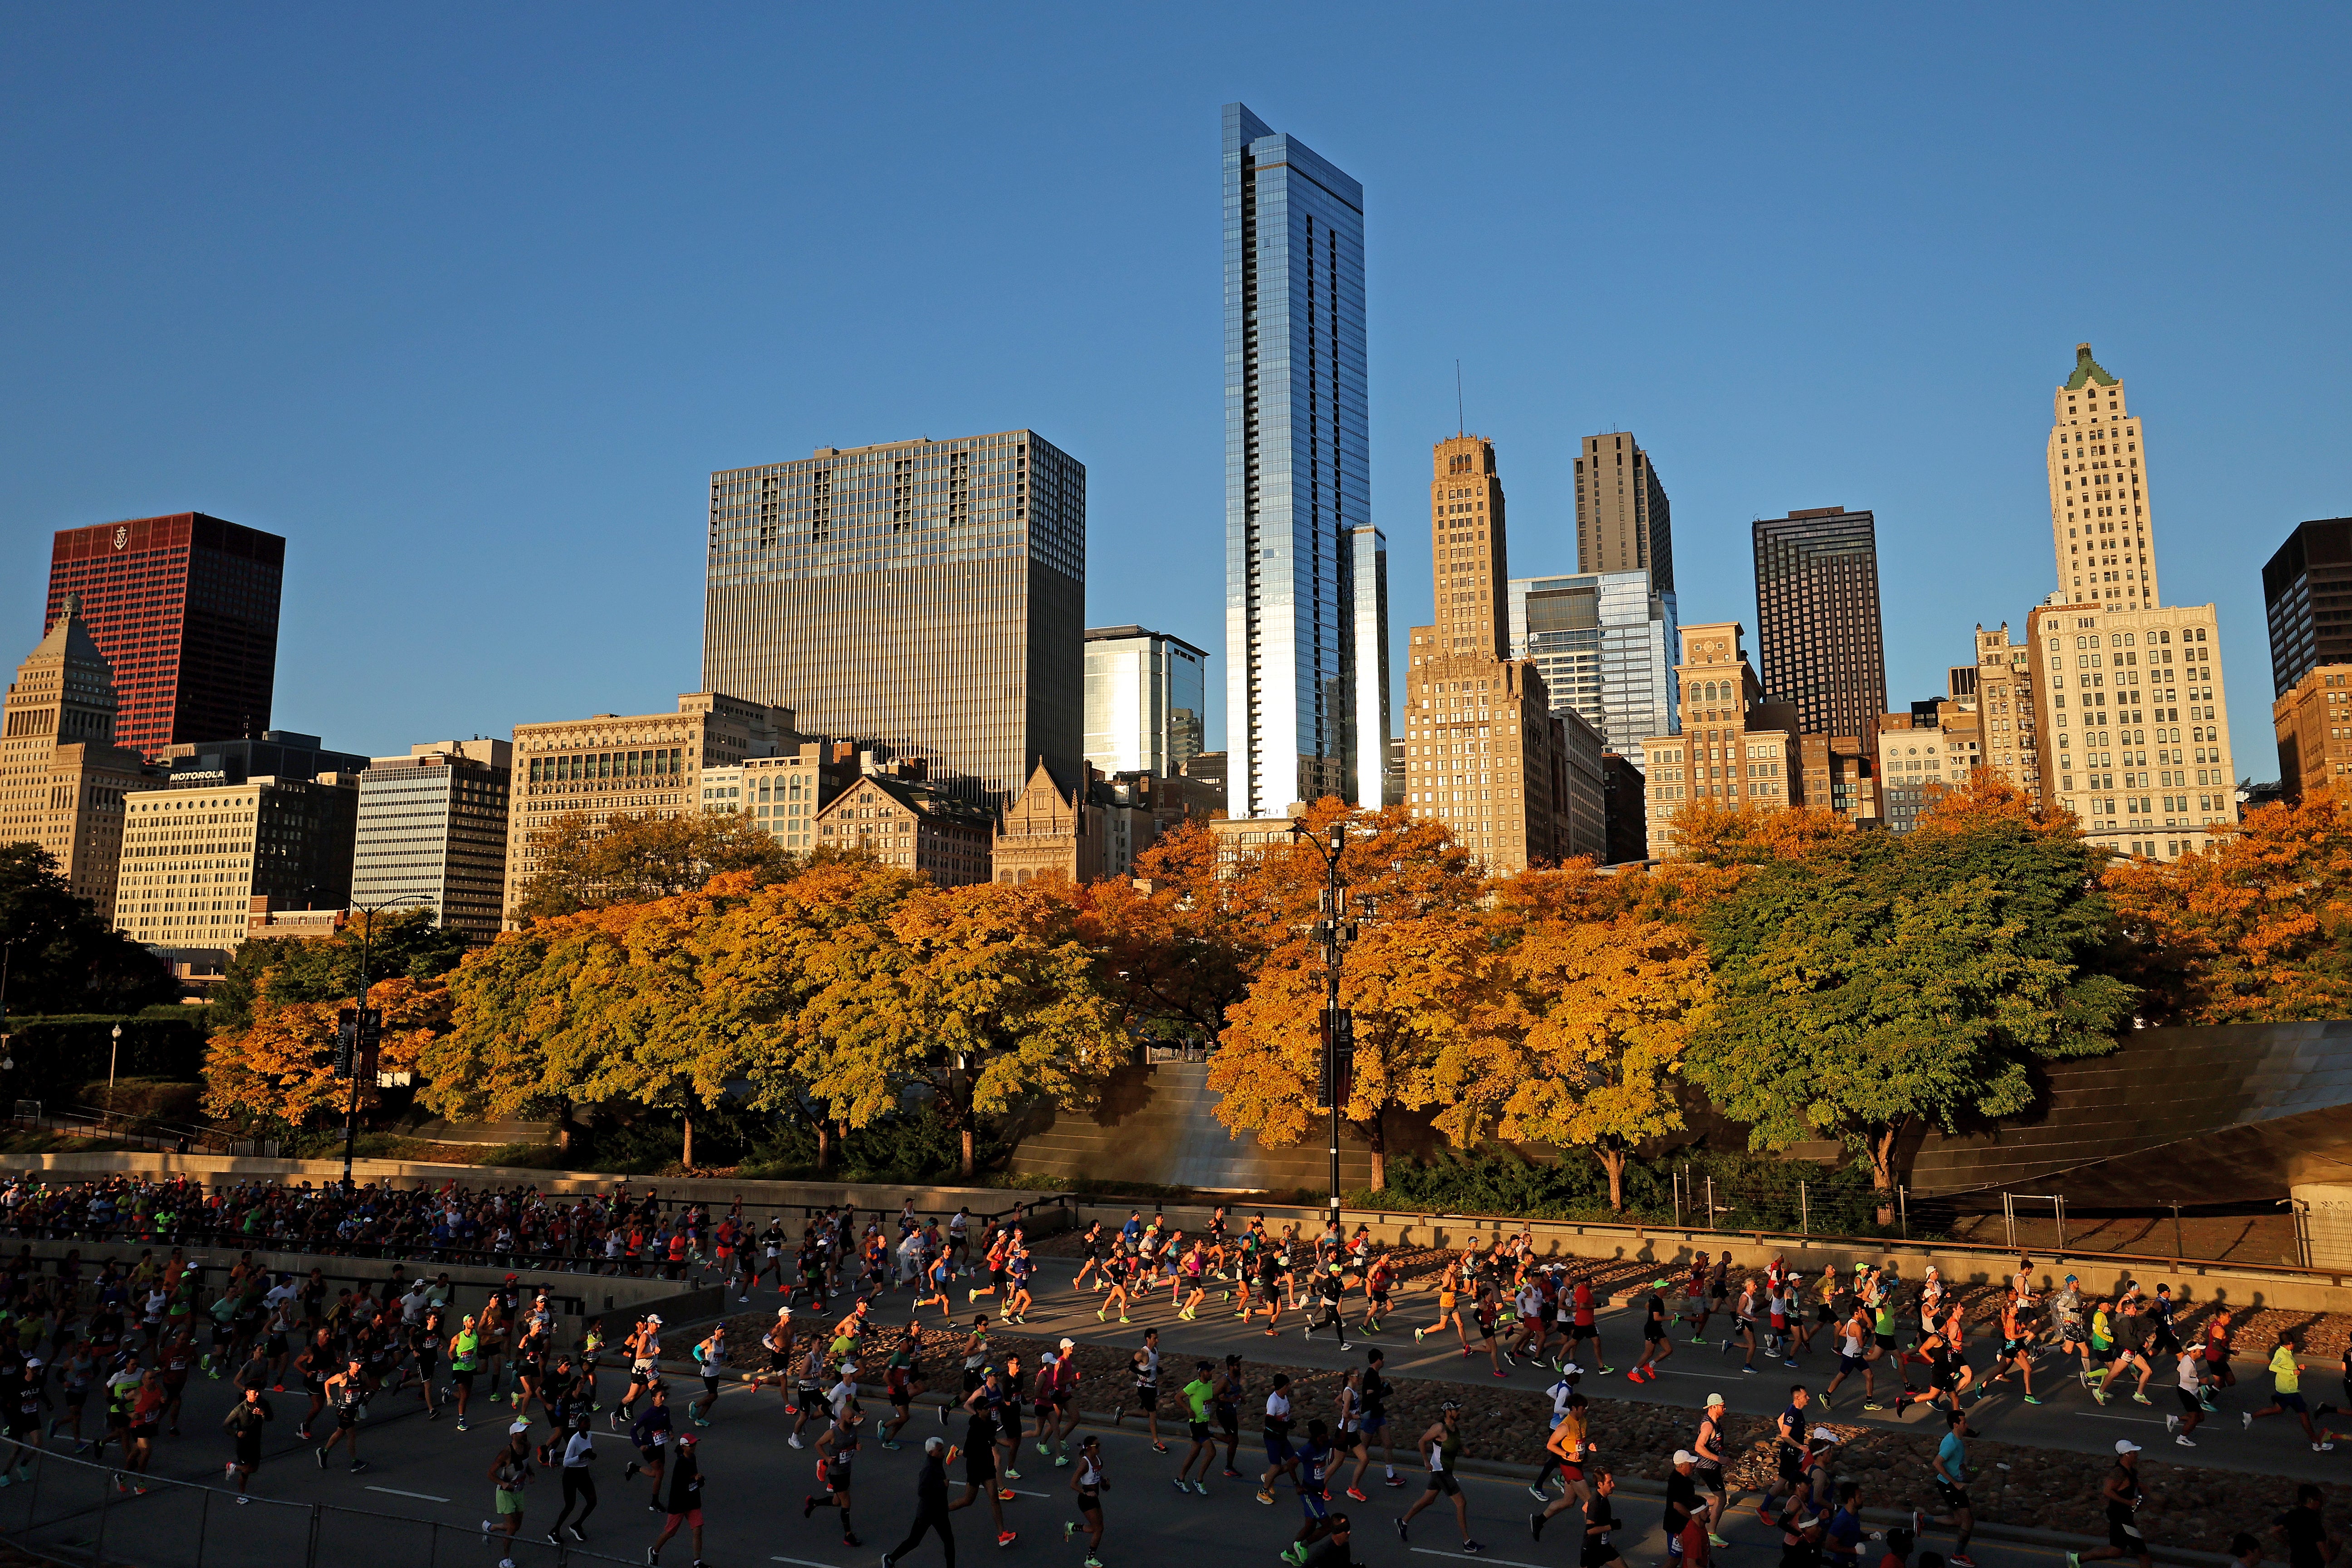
{"x":1415,"y":979}
{"x":2256,"y":929}
{"x":281,"y":1066}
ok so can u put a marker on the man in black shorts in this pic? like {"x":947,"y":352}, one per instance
{"x":980,"y":1433}
{"x":1655,"y":1345}
{"x":2121,"y":1496}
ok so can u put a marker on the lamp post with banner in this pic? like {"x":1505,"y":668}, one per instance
{"x":358,"y":1031}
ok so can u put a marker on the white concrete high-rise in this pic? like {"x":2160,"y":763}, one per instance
{"x":2100,"y":528}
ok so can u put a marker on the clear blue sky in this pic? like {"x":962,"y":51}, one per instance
{"x":466,"y":301}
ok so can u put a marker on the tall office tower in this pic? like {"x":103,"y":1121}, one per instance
{"x":2133,"y":718}
{"x":928,"y":594}
{"x":433,"y":832}
{"x":2313,"y":721}
{"x":1519,"y":781}
{"x":1623,"y":521}
{"x":207,"y":857}
{"x":2005,"y":706}
{"x":1735,"y":748}
{"x":640,"y":764}
{"x":1144,"y":696}
{"x":1297,"y":467}
{"x":1469,"y":551}
{"x":184,"y":608}
{"x":62,"y":777}
{"x":2308,"y":593}
{"x":2099,"y":526}
{"x":1605,"y":642}
{"x":1818,"y":636}
{"x":1378,"y":781}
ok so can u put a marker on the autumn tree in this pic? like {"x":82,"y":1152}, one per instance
{"x":1879,"y":984}
{"x":637,"y":857}
{"x":2256,"y":929}
{"x":1585,"y":1047}
{"x":1415,"y":979}
{"x":1177,"y":951}
{"x":985,"y":999}
{"x":280,"y":1067}
{"x":410,"y":943}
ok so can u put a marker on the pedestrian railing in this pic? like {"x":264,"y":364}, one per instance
{"x":90,"y":1515}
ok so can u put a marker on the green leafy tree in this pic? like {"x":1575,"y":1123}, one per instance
{"x":1874,"y":985}
{"x":407,"y":944}
{"x":635,"y":858}
{"x":61,"y":957}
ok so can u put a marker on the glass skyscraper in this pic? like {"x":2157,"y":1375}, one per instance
{"x":1819,"y":644}
{"x":1297,"y":472}
{"x":1605,"y":642}
{"x":1144,"y":696}
{"x":930,"y":594}
{"x":1378,"y":783}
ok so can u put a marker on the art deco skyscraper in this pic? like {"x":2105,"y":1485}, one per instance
{"x":2100,"y":530}
{"x":1297,"y":470}
{"x":1623,"y":521}
{"x":1818,"y":634}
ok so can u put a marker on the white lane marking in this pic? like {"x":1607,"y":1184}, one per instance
{"x":1022,"y":1492}
{"x":1481,"y":1557}
{"x":803,"y":1561}
{"x":420,"y":1496}
{"x":2135,"y":1420}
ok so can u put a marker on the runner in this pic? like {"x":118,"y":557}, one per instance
{"x":579,"y":1486}
{"x":902,"y":1380}
{"x":1087,"y":1482}
{"x":1561,"y":1393}
{"x":1707,"y":1446}
{"x":465,"y":1360}
{"x":1565,"y":1448}
{"x":1143,"y":1365}
{"x":2286,"y":1394}
{"x":1063,"y":1413}
{"x":1090,"y":1248}
{"x":1280,"y":1459}
{"x":2130,"y":1330}
{"x":1787,"y":1453}
{"x":1856,"y":1350}
{"x":1330,"y":1284}
{"x":1950,"y":1466}
{"x":1449,"y":1295}
{"x":1379,"y":1280}
{"x":1200,"y":1396}
{"x":1440,"y":1446}
{"x":510,"y":1472}
{"x":347,"y":1393}
{"x":710,"y":1361}
{"x":1313,"y":1498}
{"x":650,"y":1432}
{"x":980,"y":1454}
{"x":1585,"y":1325}
{"x":836,"y":1447}
{"x":1229,"y":1411}
{"x":2309,"y":1543}
{"x":2122,"y":1496}
{"x":1655,"y":1344}
{"x":2016,"y":1347}
{"x":244,"y":1424}
{"x":2190,"y":1367}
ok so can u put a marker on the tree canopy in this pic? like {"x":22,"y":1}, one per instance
{"x":631,"y":858}
{"x":61,"y":957}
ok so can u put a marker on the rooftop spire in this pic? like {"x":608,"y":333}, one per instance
{"x":2086,"y":369}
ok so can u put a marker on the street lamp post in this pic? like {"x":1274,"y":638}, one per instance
{"x":1334,"y":931}
{"x":365,"y":1023}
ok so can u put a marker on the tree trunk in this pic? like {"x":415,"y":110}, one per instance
{"x":1378,"y":1140}
{"x":1882,"y":1167}
{"x":566,"y":1129}
{"x":823,"y":1147}
{"x":965,"y":1163}
{"x":686,"y":1157}
{"x":1613,"y":1162}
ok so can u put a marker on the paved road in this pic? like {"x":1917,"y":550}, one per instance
{"x":424,"y":1474}
{"x":2067,"y":1418}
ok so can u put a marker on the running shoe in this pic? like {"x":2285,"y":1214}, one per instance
{"x":2184,"y":1442}
{"x":2246,"y":1420}
{"x":1359,"y":1497}
{"x":1006,"y":1538}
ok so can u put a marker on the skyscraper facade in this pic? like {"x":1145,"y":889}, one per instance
{"x":1298,"y":468}
{"x":1605,"y":642}
{"x":2307,"y":595}
{"x":62,"y":779}
{"x":1818,"y":636}
{"x":1378,"y":781}
{"x":1517,"y":782}
{"x":1623,"y":521}
{"x":1736,"y":748}
{"x":185,"y":609}
{"x":433,"y":832}
{"x":2100,"y":526}
{"x":1144,"y":696}
{"x":929,"y":594}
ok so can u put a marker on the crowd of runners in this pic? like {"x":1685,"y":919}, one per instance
{"x":847,"y":1370}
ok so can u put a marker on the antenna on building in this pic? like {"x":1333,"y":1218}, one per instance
{"x":1460,"y":425}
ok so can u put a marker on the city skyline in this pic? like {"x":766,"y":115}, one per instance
{"x":594,"y":486}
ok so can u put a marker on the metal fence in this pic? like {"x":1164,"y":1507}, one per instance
{"x":94,"y":1515}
